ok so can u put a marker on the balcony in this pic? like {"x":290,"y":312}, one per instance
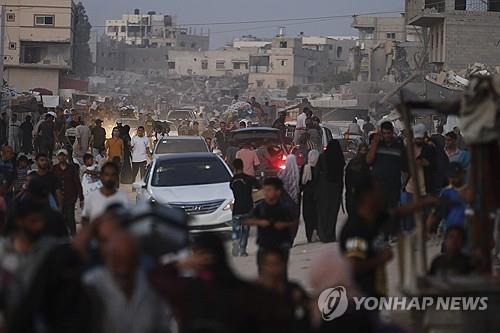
{"x":45,"y":55}
{"x":428,"y":12}
{"x":259,"y":64}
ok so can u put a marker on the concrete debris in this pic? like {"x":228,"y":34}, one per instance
{"x":458,"y":80}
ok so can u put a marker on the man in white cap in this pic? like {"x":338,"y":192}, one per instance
{"x":425,"y":155}
{"x":71,"y":188}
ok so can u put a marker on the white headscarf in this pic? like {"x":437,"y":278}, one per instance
{"x":291,"y":177}
{"x":312,"y":160}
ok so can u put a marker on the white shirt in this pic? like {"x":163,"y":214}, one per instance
{"x":96,"y":203}
{"x":145,"y":311}
{"x":140,"y":146}
{"x":301,"y":121}
{"x":82,"y":133}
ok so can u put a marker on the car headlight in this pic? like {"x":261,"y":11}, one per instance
{"x":229,"y":206}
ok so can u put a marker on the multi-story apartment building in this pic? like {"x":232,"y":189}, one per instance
{"x":286,"y":63}
{"x":38,"y":40}
{"x":461,"y":31}
{"x":153,"y":30}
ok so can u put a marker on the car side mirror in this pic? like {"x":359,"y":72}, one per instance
{"x":139,"y":185}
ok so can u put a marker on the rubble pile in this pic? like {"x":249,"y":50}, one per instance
{"x":161,"y":94}
{"x":458,"y":80}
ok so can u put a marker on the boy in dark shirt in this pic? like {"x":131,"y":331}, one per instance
{"x":242,"y":186}
{"x":362,"y":241}
{"x":362,"y":238}
{"x":453,"y":261}
{"x":273,"y":218}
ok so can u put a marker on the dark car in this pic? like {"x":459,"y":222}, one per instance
{"x":264,"y":136}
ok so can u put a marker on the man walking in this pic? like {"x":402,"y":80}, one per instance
{"x":81,"y":145}
{"x":387,"y":157}
{"x":242,"y":186}
{"x":359,"y":240}
{"x":249,"y":159}
{"x":140,"y":153}
{"x":46,"y":135}
{"x":453,"y":151}
{"x":279,"y":123}
{"x":98,"y":201}
{"x":438,"y":137}
{"x":301,"y":127}
{"x":27,"y":136}
{"x":60,"y":127}
{"x":98,"y":138}
{"x":49,"y":180}
{"x":15,"y":133}
{"x":368,"y":127}
{"x":221,"y":137}
{"x":123,"y":291}
{"x":71,"y":188}
{"x":209,"y":132}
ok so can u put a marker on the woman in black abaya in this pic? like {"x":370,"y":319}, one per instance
{"x":126,"y":173}
{"x":329,"y":179}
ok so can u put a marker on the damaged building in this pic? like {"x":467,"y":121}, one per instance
{"x":461,"y":32}
{"x":297,"y":61}
{"x":387,"y":49}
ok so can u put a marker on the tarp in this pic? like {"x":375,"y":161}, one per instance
{"x":50,"y":101}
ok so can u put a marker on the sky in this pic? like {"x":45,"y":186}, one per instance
{"x":205,"y":11}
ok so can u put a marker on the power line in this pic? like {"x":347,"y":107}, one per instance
{"x":268,"y":26}
{"x":291,"y":19}
{"x":332,"y":17}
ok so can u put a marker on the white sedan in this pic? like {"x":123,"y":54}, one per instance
{"x":198,"y":183}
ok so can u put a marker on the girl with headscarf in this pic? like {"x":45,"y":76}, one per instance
{"x":356,"y":170}
{"x":308,"y":186}
{"x":291,"y":178}
{"x":329,"y":175}
{"x":291,"y":185}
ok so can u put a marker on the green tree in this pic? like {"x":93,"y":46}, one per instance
{"x":292,"y":92}
{"x":333,"y":80}
{"x":82,"y":59}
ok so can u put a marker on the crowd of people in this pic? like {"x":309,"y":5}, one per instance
{"x":67,"y":155}
{"x":55,"y":277}
{"x":378,"y":191}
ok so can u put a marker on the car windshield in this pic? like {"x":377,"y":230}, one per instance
{"x":180,"y":115}
{"x":173,"y":145}
{"x":190,"y":171}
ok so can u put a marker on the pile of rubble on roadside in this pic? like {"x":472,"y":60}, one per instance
{"x":458,"y":80}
